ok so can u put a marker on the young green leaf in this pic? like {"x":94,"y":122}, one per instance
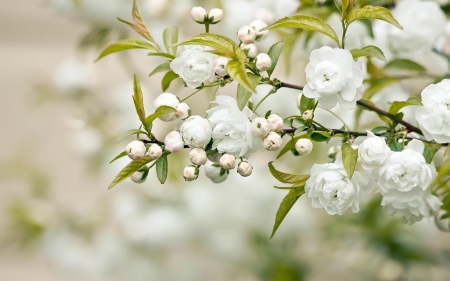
{"x":368,"y":51}
{"x":163,"y":109}
{"x":167,"y":79}
{"x":306,"y":103}
{"x":126,"y":44}
{"x":447,"y":153}
{"x":349,"y":159}
{"x":162,"y":168}
{"x":170,"y":36}
{"x":159,"y":54}
{"x":243,"y":95}
{"x":305,"y":22}
{"x":132,"y":167}
{"x":161,"y":68}
{"x":320,"y":136}
{"x":236,"y":70}
{"x":404,"y":64}
{"x":274,"y":53}
{"x":395,"y":145}
{"x":130,"y":133}
{"x":370,"y":12}
{"x":428,"y":153}
{"x":122,"y":154}
{"x":287,"y":178}
{"x":286,"y":205}
{"x":138,"y":99}
{"x":397,"y":105}
{"x":141,"y":28}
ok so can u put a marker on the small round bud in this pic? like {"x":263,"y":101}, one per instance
{"x":227,"y":162}
{"x":247,"y":34}
{"x":263,"y":62}
{"x":250,"y":50}
{"x":244,"y":169}
{"x":198,"y":14}
{"x":220,"y":66}
{"x":257,"y":25}
{"x":154,"y":151}
{"x":135,"y":150}
{"x":307,"y":115}
{"x":174,"y":142}
{"x":196,"y":131}
{"x":272,"y":141}
{"x":299,"y":98}
{"x":183,"y":111}
{"x":215,"y":15}
{"x":198,"y":156}
{"x":190,"y":173}
{"x":304,"y":146}
{"x":260,"y":127}
{"x":169,"y":100}
{"x":275,"y":122}
{"x":140,"y":176}
{"x":215,"y":173}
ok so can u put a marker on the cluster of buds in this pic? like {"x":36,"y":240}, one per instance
{"x":267,"y":130}
{"x":168,"y":99}
{"x":228,"y":162}
{"x":136,"y":150}
{"x":248,"y":34}
{"x":199,"y":15}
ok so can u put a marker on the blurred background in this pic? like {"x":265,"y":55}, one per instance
{"x":60,"y":115}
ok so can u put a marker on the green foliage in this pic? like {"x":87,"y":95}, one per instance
{"x":170,"y":37}
{"x":138,"y":100}
{"x":395,"y":145}
{"x":139,"y":25}
{"x":120,"y":155}
{"x":306,"y":103}
{"x":349,"y":158}
{"x":286,"y":205}
{"x":236,"y":70}
{"x":131,"y":168}
{"x":428,"y":153}
{"x":126,"y":44}
{"x":397,"y":105}
{"x":287,"y":178}
{"x":447,"y":153}
{"x":163,"y":109}
{"x":274,"y":53}
{"x":130,"y":133}
{"x":305,"y":22}
{"x":162,"y":168}
{"x":160,"y":54}
{"x":370,"y":12}
{"x":368,"y":51}
{"x":161,"y":68}
{"x":404,"y":64}
{"x":167,"y":79}
{"x":243,"y":95}
{"x":320,"y":136}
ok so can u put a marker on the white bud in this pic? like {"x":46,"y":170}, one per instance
{"x":220,"y":66}
{"x":260,"y":127}
{"x":196,"y":131}
{"x":183,"y":111}
{"x":198,"y":156}
{"x":169,"y":100}
{"x":198,"y":14}
{"x":263,"y":62}
{"x":307,"y":115}
{"x":272,"y":141}
{"x":190,"y":173}
{"x":174,"y":142}
{"x":244,"y":169}
{"x":154,"y":151}
{"x":247,"y":34}
{"x":275,"y":122}
{"x":139,"y":176}
{"x":250,"y":50}
{"x":215,"y":15}
{"x":304,"y":146}
{"x":299,"y":98}
{"x":214,"y":172}
{"x":257,"y":25}
{"x":227,"y":162}
{"x":135,"y":150}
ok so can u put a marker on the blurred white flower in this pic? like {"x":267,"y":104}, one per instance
{"x":257,"y":25}
{"x":213,"y":172}
{"x":72,"y":74}
{"x":174,"y":142}
{"x":246,"y":34}
{"x":373,"y":151}
{"x":196,"y":131}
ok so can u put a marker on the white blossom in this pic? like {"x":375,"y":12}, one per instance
{"x":263,"y":62}
{"x":135,"y":150}
{"x":332,"y":76}
{"x":260,"y":127}
{"x":198,"y":14}
{"x":183,"y":111}
{"x":196,"y":131}
{"x":247,"y":34}
{"x":272,"y":141}
{"x":304,"y":146}
{"x":194,"y":66}
{"x":174,"y":142}
{"x":215,"y":15}
{"x":167,"y":99}
{"x":434,"y":116}
{"x":373,"y":151}
{"x":213,"y":171}
{"x":197,"y":156}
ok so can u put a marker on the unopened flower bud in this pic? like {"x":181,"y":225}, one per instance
{"x":263,"y":62}
{"x":135,"y":150}
{"x":275,"y":122}
{"x":198,"y":14}
{"x":257,"y":25}
{"x":247,"y":34}
{"x":198,"y":156}
{"x":250,"y":50}
{"x":167,"y":99}
{"x":174,"y":142}
{"x":183,"y":111}
{"x":215,"y":15}
{"x":140,"y":176}
{"x":190,"y":173}
{"x":260,"y":127}
{"x":244,"y":169}
{"x":227,"y":162}
{"x":307,"y":115}
{"x":304,"y":146}
{"x":154,"y":151}
{"x":272,"y":141}
{"x":215,"y":173}
{"x":220,"y":66}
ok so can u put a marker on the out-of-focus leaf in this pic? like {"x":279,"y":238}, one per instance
{"x":397,"y":105}
{"x":138,"y":99}
{"x":286,"y":205}
{"x":236,"y":70}
{"x":274,"y":53}
{"x":404,"y":64}
{"x":243,"y":95}
{"x":395,"y":146}
{"x":139,"y":25}
{"x":370,"y":12}
{"x":368,"y":51}
{"x":287,"y":178}
{"x":447,"y":153}
{"x":161,"y":68}
{"x":170,"y":36}
{"x":132,"y":167}
{"x":126,"y":44}
{"x":428,"y":153}
{"x":162,"y":168}
{"x":129,"y":133}
{"x":159,"y":54}
{"x":349,"y":159}
{"x":122,"y":154}
{"x":167,"y":79}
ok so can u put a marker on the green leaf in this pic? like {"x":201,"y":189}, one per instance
{"x":138,"y":99}
{"x":397,"y":105}
{"x":126,"y":44}
{"x":170,"y":36}
{"x":370,"y":12}
{"x":243,"y":95}
{"x":167,"y":79}
{"x":428,"y":153}
{"x":139,"y":25}
{"x":162,"y":168}
{"x":287,"y":178}
{"x":286,"y":205}
{"x":132,"y":167}
{"x":404,"y":64}
{"x":274,"y":54}
{"x":129,"y":133}
{"x":368,"y":51}
{"x":236,"y":70}
{"x":349,"y":159}
{"x":306,"y":103}
{"x":163,"y":109}
{"x":347,"y":5}
{"x":447,"y":153}
{"x":395,"y":146}
{"x":320,"y":136}
{"x":291,"y":144}
{"x":122,"y":154}
{"x":305,"y":22}
{"x":161,"y":68}
{"x":159,"y":54}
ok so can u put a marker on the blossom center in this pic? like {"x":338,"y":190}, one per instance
{"x":326,"y":78}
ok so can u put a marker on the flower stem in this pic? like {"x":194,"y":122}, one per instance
{"x":190,"y":95}
{"x":273,"y":90}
